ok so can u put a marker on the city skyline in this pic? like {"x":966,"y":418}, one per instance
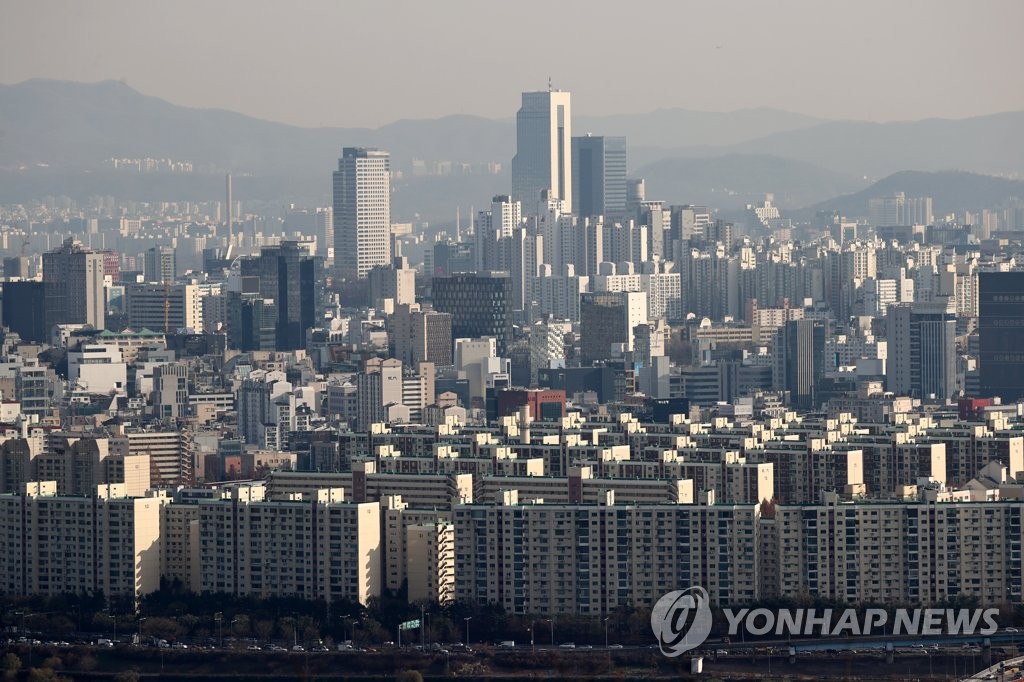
{"x":863,"y":67}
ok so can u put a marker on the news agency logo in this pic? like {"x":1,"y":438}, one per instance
{"x":681,"y":620}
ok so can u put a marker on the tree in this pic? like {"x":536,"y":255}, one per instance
{"x":127,"y":676}
{"x":11,"y":665}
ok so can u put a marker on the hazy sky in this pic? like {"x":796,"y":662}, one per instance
{"x":349,"y":63}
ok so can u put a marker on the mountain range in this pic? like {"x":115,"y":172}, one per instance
{"x":55,"y":135}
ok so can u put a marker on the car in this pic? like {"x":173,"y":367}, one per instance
{"x":298,"y":647}
{"x":567,"y":645}
{"x":586,"y":646}
{"x":614,"y":646}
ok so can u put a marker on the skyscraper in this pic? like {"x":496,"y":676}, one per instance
{"x":362,"y":211}
{"x":543,"y":159}
{"x":607,"y":319}
{"x":599,"y":176}
{"x":922,"y":349}
{"x":160,"y":264}
{"x":289,"y":277}
{"x":1000,"y":322}
{"x":73,"y":286}
{"x":800,"y":361}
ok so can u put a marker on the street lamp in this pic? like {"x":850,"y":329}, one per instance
{"x":140,"y":629}
{"x":533,"y":633}
{"x":551,"y":621}
{"x":606,"y":631}
{"x":219,"y":617}
{"x":467,"y":619}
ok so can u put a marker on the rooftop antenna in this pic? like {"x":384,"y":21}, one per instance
{"x":549,"y":83}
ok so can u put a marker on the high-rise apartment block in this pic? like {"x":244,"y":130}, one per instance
{"x":362,"y":211}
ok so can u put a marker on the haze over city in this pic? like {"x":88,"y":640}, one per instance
{"x":324,"y":63}
{"x":578,"y":340}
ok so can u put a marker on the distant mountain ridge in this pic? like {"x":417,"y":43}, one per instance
{"x":700,"y":157}
{"x":950,"y":191}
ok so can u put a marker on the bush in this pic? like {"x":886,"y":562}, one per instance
{"x":409,"y":676}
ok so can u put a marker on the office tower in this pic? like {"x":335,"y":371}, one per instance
{"x":160,"y":264}
{"x":1000,"y":322}
{"x":599,"y":176}
{"x":378,"y":388}
{"x":687,"y":222}
{"x":362,"y":211}
{"x":421,"y":336}
{"x":23,"y":310}
{"x":16,"y":266}
{"x":543,"y":159}
{"x":251,"y":318}
{"x":922,"y":349}
{"x":73,"y":286}
{"x":480,"y":305}
{"x":608,"y":319}
{"x":170,"y":391}
{"x":396,"y":281}
{"x":291,"y":278}
{"x":164,"y":307}
{"x":800,"y":361}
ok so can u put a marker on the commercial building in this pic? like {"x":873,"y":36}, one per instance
{"x":73,"y":286}
{"x":608,"y":320}
{"x":1000,"y":325}
{"x":480,"y":305}
{"x":599,"y":176}
{"x":543,"y":160}
{"x":362,"y":211}
{"x":164,"y":307}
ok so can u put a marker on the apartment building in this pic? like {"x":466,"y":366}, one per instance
{"x":105,"y":543}
{"x":430,"y":562}
{"x":309,"y":546}
{"x":896,"y":552}
{"x":589,"y":559}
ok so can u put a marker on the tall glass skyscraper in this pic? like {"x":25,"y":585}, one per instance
{"x":1000,"y":326}
{"x":543,"y":160}
{"x":599,"y":176}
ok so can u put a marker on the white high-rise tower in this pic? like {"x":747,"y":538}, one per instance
{"x":543,"y":159}
{"x":362,"y":211}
